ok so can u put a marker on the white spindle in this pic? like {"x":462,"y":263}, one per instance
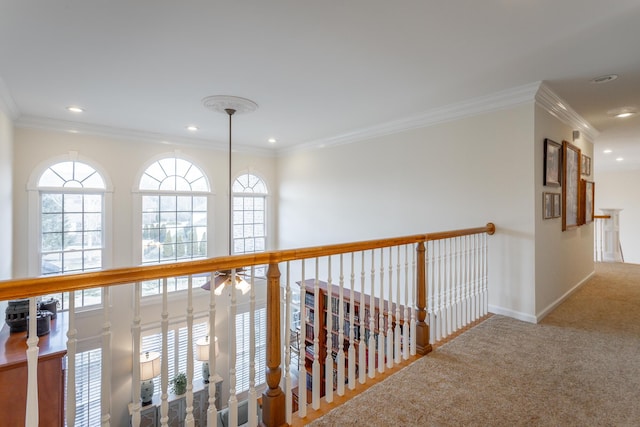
{"x":449,"y":274}
{"x":372,"y":319}
{"x":352,"y":346}
{"x":412,"y":333}
{"x":189,"y":420}
{"x":340,"y":361}
{"x":458,"y":317}
{"x":253,"y":395}
{"x":233,"y":310}
{"x":397,"y":333}
{"x":135,"y":332}
{"x":405,"y":323}
{"x":362,"y":319}
{"x":381,"y":330}
{"x":31,"y":418}
{"x":212,"y":411}
{"x":476,"y":278}
{"x":302,"y":372}
{"x":390,"y":335}
{"x":105,"y":396}
{"x":164,"y":376}
{"x":432,"y":290}
{"x":485,"y":263}
{"x":72,"y":341}
{"x":287,"y":348}
{"x":328,"y":362}
{"x":315,"y":370}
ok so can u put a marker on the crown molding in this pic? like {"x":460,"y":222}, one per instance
{"x":560,"y":109}
{"x":7,"y":104}
{"x":49,"y":124}
{"x":472,"y":107}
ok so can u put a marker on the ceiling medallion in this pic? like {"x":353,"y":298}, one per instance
{"x":221,"y":103}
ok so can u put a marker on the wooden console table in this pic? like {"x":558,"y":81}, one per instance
{"x":13,"y":375}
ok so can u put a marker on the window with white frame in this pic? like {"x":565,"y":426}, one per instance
{"x":71,"y":210}
{"x":176,"y":350}
{"x":249,"y":216}
{"x":243,"y":342}
{"x":174,"y":195}
{"x":88,"y":388}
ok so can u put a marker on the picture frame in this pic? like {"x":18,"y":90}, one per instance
{"x":552,"y":163}
{"x":557,"y":205}
{"x":586,"y":165}
{"x":571,"y":167}
{"x":587,"y":194}
{"x":547,"y":205}
{"x":551,"y":207}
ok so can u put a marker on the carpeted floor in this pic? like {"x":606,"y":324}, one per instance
{"x":579,"y":367}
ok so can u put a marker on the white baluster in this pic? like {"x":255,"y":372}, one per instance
{"x":456,"y":281}
{"x":372,"y":319}
{"x":381,"y":330}
{"x":189,"y":420}
{"x":302,"y":370}
{"x":397,"y":333}
{"x":135,"y":333}
{"x":352,"y":325}
{"x":212,"y":411}
{"x":406,"y":323}
{"x":105,"y":395}
{"x":287,"y":349}
{"x":164,"y":369}
{"x":485,"y":305}
{"x":412,"y":332}
{"x":362,"y":345}
{"x":390,"y":336}
{"x":432,"y":289}
{"x":340,"y":361}
{"x":328,"y":362}
{"x":449,"y":282}
{"x":253,"y":394}
{"x":233,"y":310}
{"x":72,"y":341}
{"x":315,"y":369}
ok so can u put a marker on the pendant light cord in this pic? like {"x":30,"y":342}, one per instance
{"x":230,"y":112}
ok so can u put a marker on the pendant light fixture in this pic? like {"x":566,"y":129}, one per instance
{"x":229,"y":105}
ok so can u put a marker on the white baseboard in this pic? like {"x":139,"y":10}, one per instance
{"x":511,"y":313}
{"x":560,"y":300}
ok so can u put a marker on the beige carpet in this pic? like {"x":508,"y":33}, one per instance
{"x":579,"y":367}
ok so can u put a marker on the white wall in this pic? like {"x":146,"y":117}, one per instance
{"x":452,"y":175}
{"x":122,"y":161}
{"x":6,"y":201}
{"x":617,"y":189}
{"x":563,"y":258}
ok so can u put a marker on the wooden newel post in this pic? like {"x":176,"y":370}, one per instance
{"x":273,"y":399}
{"x":422,"y":329}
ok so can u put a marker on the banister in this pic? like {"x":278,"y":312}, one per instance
{"x":35,"y":286}
{"x":602,"y":217}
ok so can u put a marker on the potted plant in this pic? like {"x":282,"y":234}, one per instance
{"x":179,"y":384}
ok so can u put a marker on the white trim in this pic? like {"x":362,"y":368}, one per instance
{"x":71,"y":156}
{"x":45,"y":123}
{"x":472,"y":107}
{"x":560,"y":109}
{"x":513,"y":314}
{"x":175,"y":154}
{"x":7,"y":104}
{"x":560,"y":300}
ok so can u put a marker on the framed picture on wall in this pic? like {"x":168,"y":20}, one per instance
{"x":552,"y":163}
{"x":587,"y":193}
{"x":547,"y":205}
{"x":571,"y":159}
{"x":557,"y":210}
{"x":586,"y":165}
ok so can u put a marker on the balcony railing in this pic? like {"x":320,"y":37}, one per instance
{"x":364,"y":307}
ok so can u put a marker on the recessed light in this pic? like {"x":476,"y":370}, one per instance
{"x":625,"y":114}
{"x":192,"y":128}
{"x":607,"y":151}
{"x":75,"y":109}
{"x":272,"y":140}
{"x":619,"y":159}
{"x":73,"y":131}
{"x":604,"y":79}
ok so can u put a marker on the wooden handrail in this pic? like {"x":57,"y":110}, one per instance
{"x":30,"y":287}
{"x":602,"y":217}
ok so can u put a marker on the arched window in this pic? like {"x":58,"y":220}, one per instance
{"x":71,"y":197}
{"x":174,"y":216}
{"x":249,"y":214}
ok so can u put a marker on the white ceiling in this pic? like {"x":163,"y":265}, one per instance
{"x":316,"y":69}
